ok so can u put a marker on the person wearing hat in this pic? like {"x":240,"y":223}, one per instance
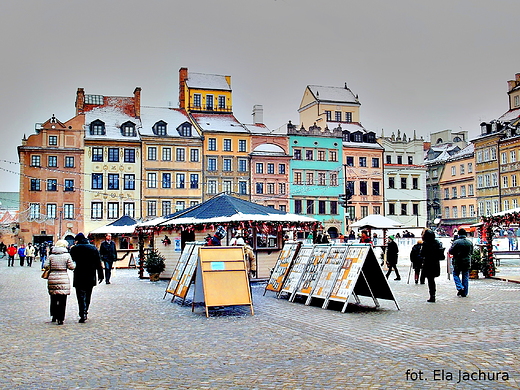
{"x":461,"y":250}
{"x":392,"y":252}
{"x":58,"y":283}
{"x":88,"y":263}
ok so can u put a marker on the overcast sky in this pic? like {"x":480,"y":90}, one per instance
{"x":416,"y":65}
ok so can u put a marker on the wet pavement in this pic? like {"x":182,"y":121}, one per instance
{"x":135,"y":339}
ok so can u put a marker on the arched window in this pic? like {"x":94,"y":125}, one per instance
{"x":128,"y":129}
{"x":97,"y":127}
{"x":184,"y":129}
{"x":160,"y":128}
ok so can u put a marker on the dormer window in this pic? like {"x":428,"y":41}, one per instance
{"x":346,"y":136}
{"x":371,"y":137}
{"x":357,"y":136}
{"x":159,"y":128}
{"x":184,"y":129}
{"x":97,"y":128}
{"x":128,"y":129}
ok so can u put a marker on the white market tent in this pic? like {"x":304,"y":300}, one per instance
{"x":376,"y":221}
{"x":124,"y":225}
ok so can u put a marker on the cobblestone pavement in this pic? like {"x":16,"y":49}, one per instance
{"x":135,"y":339}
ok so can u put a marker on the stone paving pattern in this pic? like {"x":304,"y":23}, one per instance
{"x":135,"y":339}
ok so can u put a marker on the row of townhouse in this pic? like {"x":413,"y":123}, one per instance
{"x":118,"y":157}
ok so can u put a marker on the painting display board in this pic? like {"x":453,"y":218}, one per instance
{"x":224,"y":277}
{"x":297,"y":270}
{"x":282,"y":266}
{"x":187,"y":275}
{"x":329,"y":273}
{"x":360,"y":275}
{"x":179,"y":268}
{"x":312,"y":271}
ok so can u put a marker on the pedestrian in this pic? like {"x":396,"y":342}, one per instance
{"x":461,"y":250}
{"x":29,"y":254}
{"x":374,"y":238}
{"x":249,"y":256}
{"x":11,"y":252}
{"x":88,"y":263}
{"x":392,"y":252}
{"x":432,"y":252}
{"x":416,"y":260}
{"x":108,"y":253}
{"x":58,"y":283}
{"x":365,"y":237}
{"x":43,"y":253}
{"x":21,"y":254}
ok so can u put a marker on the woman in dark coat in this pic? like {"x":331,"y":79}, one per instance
{"x":58,"y":282}
{"x":417,"y":260}
{"x":432,"y":252}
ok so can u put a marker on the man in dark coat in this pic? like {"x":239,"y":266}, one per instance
{"x":461,"y":250}
{"x":432,"y":253}
{"x":392,"y":252}
{"x":108,"y":253}
{"x":88,"y":262}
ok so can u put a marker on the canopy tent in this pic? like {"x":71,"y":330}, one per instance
{"x":124,"y":225}
{"x":376,"y":221}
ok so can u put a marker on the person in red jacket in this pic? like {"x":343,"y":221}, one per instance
{"x":11,"y":251}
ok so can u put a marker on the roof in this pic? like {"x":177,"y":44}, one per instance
{"x":219,"y":123}
{"x":10,"y":200}
{"x":113,"y":117}
{"x":123,"y":225}
{"x":174,"y":117}
{"x":333,"y":94}
{"x":510,"y":115}
{"x":208,"y":81}
{"x":376,"y":221}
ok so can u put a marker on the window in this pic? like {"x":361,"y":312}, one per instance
{"x":391,"y":208}
{"x":68,"y":211}
{"x":242,"y":145}
{"x":310,"y":178}
{"x":328,"y":115}
{"x":270,"y":188}
{"x":166,"y":207}
{"x":197,"y":99}
{"x":51,"y":210}
{"x":152,"y":153}
{"x":310,"y":206}
{"x":415,"y":209}
{"x":96,"y":210}
{"x":93,"y":99}
{"x":322,"y":179}
{"x":52,"y":185}
{"x":226,"y":165}
{"x":348,"y":117}
{"x":97,"y":128}
{"x":34,"y":211}
{"x":167,"y":154}
{"x":152,"y":180}
{"x":270,"y":168}
{"x":505,"y":181}
{"x":212,"y":144}
{"x":259,"y":167}
{"x":333,"y":207}
{"x":309,"y":155}
{"x":388,"y":159}
{"x":129,"y":155}
{"x":242,"y":165}
{"x":242,"y":187}
{"x":404,"y":209}
{"x":462,"y":191}
{"x":69,"y":162}
{"x":112,"y":210}
{"x":180,"y":180}
{"x":129,"y":181}
{"x":321,"y":155}
{"x":113,"y":155}
{"x":159,"y":128}
{"x":454,"y":192}
{"x":362,"y":161}
{"x":455,"y":212}
{"x":212,"y":164}
{"x":282,"y":188}
{"x":35,"y":161}
{"x":350,"y":161}
{"x":259,"y":188}
{"x":194,"y":181}
{"x":298,"y":206}
{"x":97,"y":181}
{"x":333,"y":155}
{"x":453,"y":171}
{"x":166,"y":180}
{"x":391,"y":182}
{"x":338,"y":117}
{"x":334,"y":179}
{"x":283,"y":208}
{"x":462,"y":169}
{"x":297,"y":178}
{"x":375,"y":162}
{"x":512,"y":156}
{"x":221,"y":102}
{"x":35,"y":185}
{"x":400,"y":160}
{"x":364,"y":211}
{"x":410,"y":160}
{"x":350,"y":187}
{"x":97,"y":154}
{"x":226,"y":186}
{"x":470,"y":167}
{"x":415,"y":183}
{"x":129,"y":209}
{"x":151,"y":208}
{"x":209,"y":102}
{"x":52,"y":161}
{"x":212,"y":186}
{"x":297,"y":154}
{"x":446,"y":193}
{"x":113,"y":181}
{"x":321,"y":207}
{"x":375,"y":188}
{"x":513,"y":181}
{"x":404,"y":183}
{"x":227,"y":145}
{"x":376,"y":210}
{"x":53,"y":140}
{"x":194,"y":155}
{"x":184,"y":130}
{"x":180,"y":154}
{"x":494,"y":180}
{"x":363,"y":188}
{"x":69,"y":185}
{"x":128,"y":129}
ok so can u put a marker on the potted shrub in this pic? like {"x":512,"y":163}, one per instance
{"x":476,"y":263}
{"x":154,"y":264}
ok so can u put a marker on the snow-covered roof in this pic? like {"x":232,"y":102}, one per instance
{"x":219,"y":123}
{"x":510,"y":115}
{"x":333,"y":94}
{"x":173,"y":117}
{"x":208,"y":81}
{"x":113,"y":118}
{"x":268,"y":149}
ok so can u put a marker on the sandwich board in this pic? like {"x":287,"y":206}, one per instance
{"x":312,"y":271}
{"x":180,"y":267}
{"x":187,"y":275}
{"x":282,"y":267}
{"x":297,"y":270}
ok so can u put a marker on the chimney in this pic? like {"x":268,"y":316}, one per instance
{"x":80,"y":100}
{"x":258,"y":114}
{"x":137,"y":102}
{"x":183,"y":76}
